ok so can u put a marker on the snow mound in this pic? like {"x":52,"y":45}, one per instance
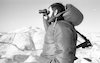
{"x":21,"y":45}
{"x":24,"y":45}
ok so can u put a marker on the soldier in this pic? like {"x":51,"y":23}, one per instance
{"x":60,"y":39}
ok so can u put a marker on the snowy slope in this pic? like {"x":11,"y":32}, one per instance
{"x":24,"y":45}
{"x":92,"y":53}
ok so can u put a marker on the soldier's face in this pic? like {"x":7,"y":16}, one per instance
{"x":51,"y":12}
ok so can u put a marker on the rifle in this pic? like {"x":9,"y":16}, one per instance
{"x":85,"y":44}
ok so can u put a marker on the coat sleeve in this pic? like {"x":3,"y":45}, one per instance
{"x":46,"y":23}
{"x":65,"y":43}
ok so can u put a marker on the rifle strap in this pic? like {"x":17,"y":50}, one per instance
{"x":82,"y":36}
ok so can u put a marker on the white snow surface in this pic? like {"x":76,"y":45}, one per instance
{"x":25,"y":41}
{"x":29,"y":41}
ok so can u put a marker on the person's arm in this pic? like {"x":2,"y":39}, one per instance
{"x":45,"y":22}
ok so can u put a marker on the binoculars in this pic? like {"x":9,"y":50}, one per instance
{"x":44,"y":12}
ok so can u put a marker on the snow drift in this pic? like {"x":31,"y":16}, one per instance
{"x":25,"y":45}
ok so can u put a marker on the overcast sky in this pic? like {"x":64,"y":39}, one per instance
{"x":16,"y":14}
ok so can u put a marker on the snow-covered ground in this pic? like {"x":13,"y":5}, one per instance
{"x":24,"y":45}
{"x":21,"y":45}
{"x":90,"y":54}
